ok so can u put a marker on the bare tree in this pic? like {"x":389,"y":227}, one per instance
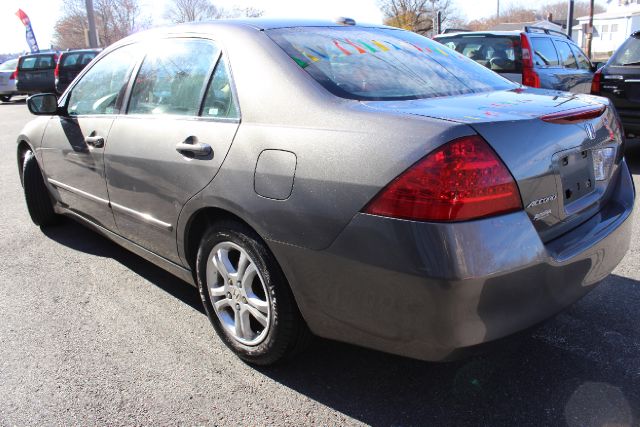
{"x":417,"y":15}
{"x":115,"y":19}
{"x":511,"y":14}
{"x":180,"y":11}
{"x":559,"y":9}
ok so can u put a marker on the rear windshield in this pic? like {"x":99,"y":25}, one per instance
{"x":498,"y":53}
{"x":9,"y":65}
{"x":628,"y":53}
{"x":383,"y":64}
{"x":37,"y":62}
{"x":75,"y":60}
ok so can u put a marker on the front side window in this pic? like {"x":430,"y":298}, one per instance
{"x":566,"y":56}
{"x":173,"y":77}
{"x":544,"y":54}
{"x":219,"y":101}
{"x":383,"y":64}
{"x":101,"y":90}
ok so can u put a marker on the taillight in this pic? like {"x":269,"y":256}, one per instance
{"x":56,"y":72}
{"x":14,"y":74}
{"x":529,"y":76}
{"x":462,"y":180}
{"x":596,"y":83}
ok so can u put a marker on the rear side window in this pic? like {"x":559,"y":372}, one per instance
{"x":86,"y":58}
{"x":498,"y":53}
{"x":70,"y":60}
{"x":383,"y":64}
{"x":583,"y":62}
{"x":173,"y":77}
{"x":566,"y":56}
{"x":101,"y":89}
{"x":219,"y":101}
{"x":544,"y":54}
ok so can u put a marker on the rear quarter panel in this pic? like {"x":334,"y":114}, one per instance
{"x":345,"y":152}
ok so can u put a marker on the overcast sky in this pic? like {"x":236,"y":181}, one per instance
{"x":43,"y":14}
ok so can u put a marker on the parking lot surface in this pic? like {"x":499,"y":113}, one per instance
{"x":92,"y":334}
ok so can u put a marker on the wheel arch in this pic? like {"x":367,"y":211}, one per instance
{"x":23,"y":147}
{"x":198,"y":223}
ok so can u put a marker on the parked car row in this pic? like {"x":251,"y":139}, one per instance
{"x":547,"y":59}
{"x":47,"y":72}
{"x":535,"y":57}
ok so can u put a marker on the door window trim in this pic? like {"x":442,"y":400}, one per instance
{"x":221,"y":56}
{"x":64,"y":100}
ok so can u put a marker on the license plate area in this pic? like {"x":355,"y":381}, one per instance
{"x":575,"y":168}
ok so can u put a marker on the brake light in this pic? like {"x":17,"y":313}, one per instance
{"x":56,"y":72}
{"x":575,"y":115}
{"x":461,"y":180}
{"x":596,"y":83}
{"x":529,"y":76}
{"x":14,"y":74}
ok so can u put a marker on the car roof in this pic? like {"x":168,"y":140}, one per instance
{"x":530,"y":31}
{"x":479,"y":33}
{"x":80,"y":51}
{"x":271,"y":23}
{"x":29,"y":55}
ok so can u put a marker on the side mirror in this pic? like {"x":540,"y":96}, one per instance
{"x":43,"y":104}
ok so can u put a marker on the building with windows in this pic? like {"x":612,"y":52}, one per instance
{"x":610,"y":28}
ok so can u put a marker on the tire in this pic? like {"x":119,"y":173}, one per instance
{"x":260,"y":291}
{"x":39,"y":203}
{"x":5,"y":98}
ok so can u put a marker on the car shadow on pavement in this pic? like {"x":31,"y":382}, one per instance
{"x":580,"y":368}
{"x":80,"y":238}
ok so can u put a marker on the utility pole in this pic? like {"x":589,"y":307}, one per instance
{"x":498,"y":9}
{"x":93,"y":35}
{"x":570,"y":18}
{"x":590,"y":29}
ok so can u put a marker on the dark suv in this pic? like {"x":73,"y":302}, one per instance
{"x":535,"y":57}
{"x":70,"y":64}
{"x":36,"y":73}
{"x":619,"y":80}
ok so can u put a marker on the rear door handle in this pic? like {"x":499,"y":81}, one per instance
{"x":95,"y":141}
{"x":198,"y":149}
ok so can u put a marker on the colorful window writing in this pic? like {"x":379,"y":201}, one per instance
{"x":383,"y":64}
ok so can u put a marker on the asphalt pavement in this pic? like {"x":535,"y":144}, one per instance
{"x":91,"y":334}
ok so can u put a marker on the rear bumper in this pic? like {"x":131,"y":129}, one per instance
{"x":427,"y":290}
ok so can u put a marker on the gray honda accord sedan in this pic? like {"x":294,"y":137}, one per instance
{"x":360,"y":183}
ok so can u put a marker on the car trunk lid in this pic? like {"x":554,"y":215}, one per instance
{"x":555,"y":144}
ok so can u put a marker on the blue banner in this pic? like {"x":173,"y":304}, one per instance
{"x":31,"y":37}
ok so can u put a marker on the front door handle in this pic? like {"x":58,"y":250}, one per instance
{"x":95,"y":141}
{"x":198,"y":149}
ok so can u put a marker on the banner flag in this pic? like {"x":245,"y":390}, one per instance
{"x":31,"y":37}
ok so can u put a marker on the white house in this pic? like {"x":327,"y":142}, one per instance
{"x":610,"y":28}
